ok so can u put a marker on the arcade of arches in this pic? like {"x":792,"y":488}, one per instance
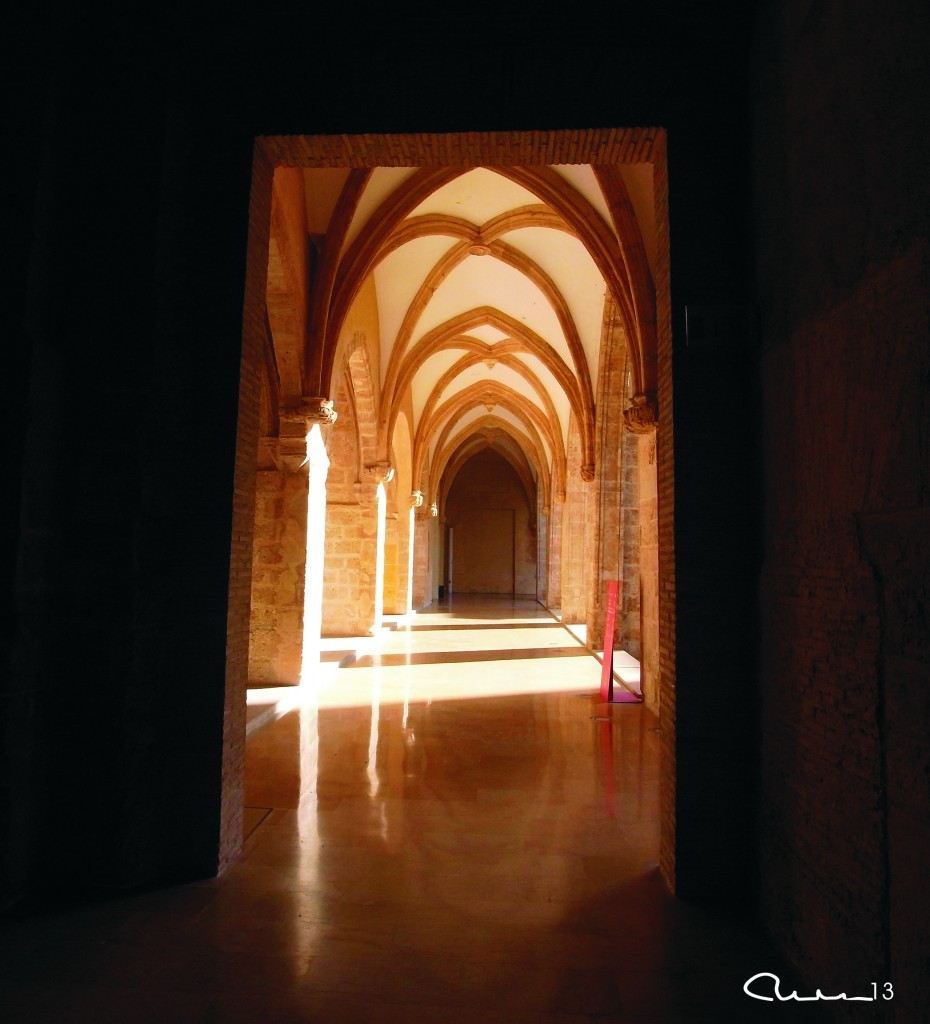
{"x":456,"y":370}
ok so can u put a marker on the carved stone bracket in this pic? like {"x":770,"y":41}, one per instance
{"x":416,"y":499}
{"x":267,"y":452}
{"x":560,"y":497}
{"x":641,"y":417}
{"x":380,"y":472}
{"x":289,"y":454}
{"x":587,"y":472}
{"x":319,"y":410}
{"x":434,"y":510}
{"x":298,"y":419}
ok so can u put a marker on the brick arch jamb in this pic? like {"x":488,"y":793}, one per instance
{"x":269,"y":387}
{"x":356,"y":371}
{"x":401,"y":458}
{"x":319,"y":370}
{"x":285,"y":293}
{"x":443,"y":419}
{"x":643,"y":292}
{"x":475,"y":443}
{"x":345,"y":377}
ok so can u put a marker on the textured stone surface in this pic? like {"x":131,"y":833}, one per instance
{"x":843,"y":284}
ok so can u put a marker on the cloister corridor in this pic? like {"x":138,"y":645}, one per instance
{"x":454,"y":828}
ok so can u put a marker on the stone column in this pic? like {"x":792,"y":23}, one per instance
{"x":279,"y":565}
{"x":421,"y":551}
{"x":381,"y":473}
{"x":542,"y":554}
{"x":554,"y":581}
{"x":577,"y":534}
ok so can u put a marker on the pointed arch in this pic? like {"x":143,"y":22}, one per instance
{"x":477,"y":443}
{"x":442,"y":419}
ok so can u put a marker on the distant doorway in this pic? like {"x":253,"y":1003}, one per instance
{"x":484,"y":551}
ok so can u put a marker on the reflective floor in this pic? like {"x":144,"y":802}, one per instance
{"x":452,"y":828}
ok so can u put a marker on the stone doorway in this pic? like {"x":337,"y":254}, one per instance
{"x":416,"y":395}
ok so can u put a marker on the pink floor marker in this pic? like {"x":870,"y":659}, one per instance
{"x":609,"y":693}
{"x":610,"y":619}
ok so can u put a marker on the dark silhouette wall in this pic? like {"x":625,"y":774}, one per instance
{"x":841,"y":144}
{"x":800,"y":461}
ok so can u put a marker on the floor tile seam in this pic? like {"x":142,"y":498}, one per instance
{"x":415,"y":898}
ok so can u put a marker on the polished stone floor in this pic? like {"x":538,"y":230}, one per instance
{"x":451,"y":828}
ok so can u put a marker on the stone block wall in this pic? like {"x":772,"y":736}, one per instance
{"x":577,"y":566}
{"x":349,"y":569}
{"x":278,"y":564}
{"x":423,"y":585}
{"x":395,"y":567}
{"x":554,"y":559}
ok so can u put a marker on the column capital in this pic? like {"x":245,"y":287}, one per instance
{"x":416,"y":499}
{"x":642,"y":416}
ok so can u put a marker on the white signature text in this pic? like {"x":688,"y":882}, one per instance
{"x":887,"y":992}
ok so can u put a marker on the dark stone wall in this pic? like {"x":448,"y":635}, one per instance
{"x":841,"y":144}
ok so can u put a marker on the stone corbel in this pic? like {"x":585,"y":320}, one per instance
{"x":642,"y":416}
{"x":380,"y":472}
{"x":267,"y":452}
{"x":587,"y":472}
{"x":289,"y":453}
{"x":416,"y":499}
{"x":298,"y":419}
{"x":317,"y":409}
{"x":560,"y":497}
{"x":434,"y":510}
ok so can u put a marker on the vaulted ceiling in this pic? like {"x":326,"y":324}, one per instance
{"x":490,"y":285}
